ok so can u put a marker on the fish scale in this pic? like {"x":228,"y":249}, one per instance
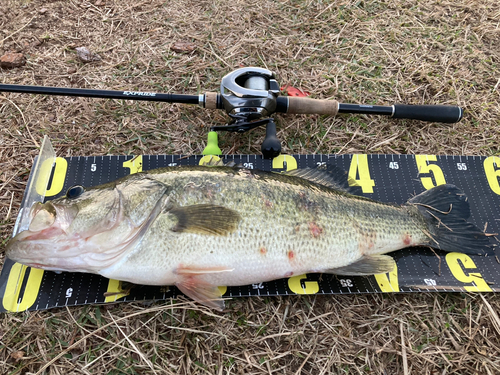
{"x":345,"y":221}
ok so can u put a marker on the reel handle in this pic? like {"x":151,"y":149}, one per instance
{"x":271,"y":147}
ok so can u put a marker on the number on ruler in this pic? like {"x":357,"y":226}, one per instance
{"x":492,"y":173}
{"x":346,"y":283}
{"x":430,"y":282}
{"x":209,"y":160}
{"x":393,"y":165}
{"x":134,"y":164}
{"x":388,"y":282}
{"x":11,"y":299}
{"x":298,"y":286}
{"x":360,"y":173}
{"x":58,"y":178}
{"x":285,"y":161}
{"x":458,"y":270}
{"x":424,"y":167}
{"x":461,"y":166}
{"x":114,"y":291}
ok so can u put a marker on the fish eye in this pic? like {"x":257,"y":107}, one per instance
{"x":75,"y":191}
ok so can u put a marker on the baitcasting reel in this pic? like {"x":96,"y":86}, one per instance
{"x":248,"y":96}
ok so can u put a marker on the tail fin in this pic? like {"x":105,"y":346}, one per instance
{"x":446,"y":210}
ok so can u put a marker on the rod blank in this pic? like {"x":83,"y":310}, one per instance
{"x":105,"y":94}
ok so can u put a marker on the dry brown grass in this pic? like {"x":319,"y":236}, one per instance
{"x":376,"y":52}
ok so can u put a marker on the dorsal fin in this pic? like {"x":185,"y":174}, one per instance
{"x":328,"y":175}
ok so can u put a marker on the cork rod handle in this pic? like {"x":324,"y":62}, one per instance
{"x":312,"y":106}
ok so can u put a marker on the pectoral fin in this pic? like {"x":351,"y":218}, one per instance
{"x":192,"y":271}
{"x":205,"y":219}
{"x":206,"y":294}
{"x":368,"y":265}
{"x":199,"y":290}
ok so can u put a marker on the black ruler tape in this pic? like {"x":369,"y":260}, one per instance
{"x":387,"y":178}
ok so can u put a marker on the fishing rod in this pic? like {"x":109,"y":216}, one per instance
{"x":250,"y":96}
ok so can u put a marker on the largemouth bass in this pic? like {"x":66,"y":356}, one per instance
{"x":200,"y":227}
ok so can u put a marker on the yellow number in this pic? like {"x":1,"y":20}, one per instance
{"x":295,"y":285}
{"x":474,"y":278}
{"x":13,"y":288}
{"x":492,"y":174}
{"x":114,"y":291}
{"x":424,"y":167}
{"x":134,"y":164}
{"x":60,"y":168}
{"x":280,"y":160}
{"x":388,"y":282}
{"x":359,"y":168}
{"x":209,"y":160}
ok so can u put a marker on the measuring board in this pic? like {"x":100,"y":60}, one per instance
{"x":386,"y":178}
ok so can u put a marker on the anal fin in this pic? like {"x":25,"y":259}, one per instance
{"x":366,"y":266}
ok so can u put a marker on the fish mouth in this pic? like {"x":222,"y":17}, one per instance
{"x":18,"y":248}
{"x":37,"y":250}
{"x":30,"y":246}
{"x":43,"y":224}
{"x":44,"y":234}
